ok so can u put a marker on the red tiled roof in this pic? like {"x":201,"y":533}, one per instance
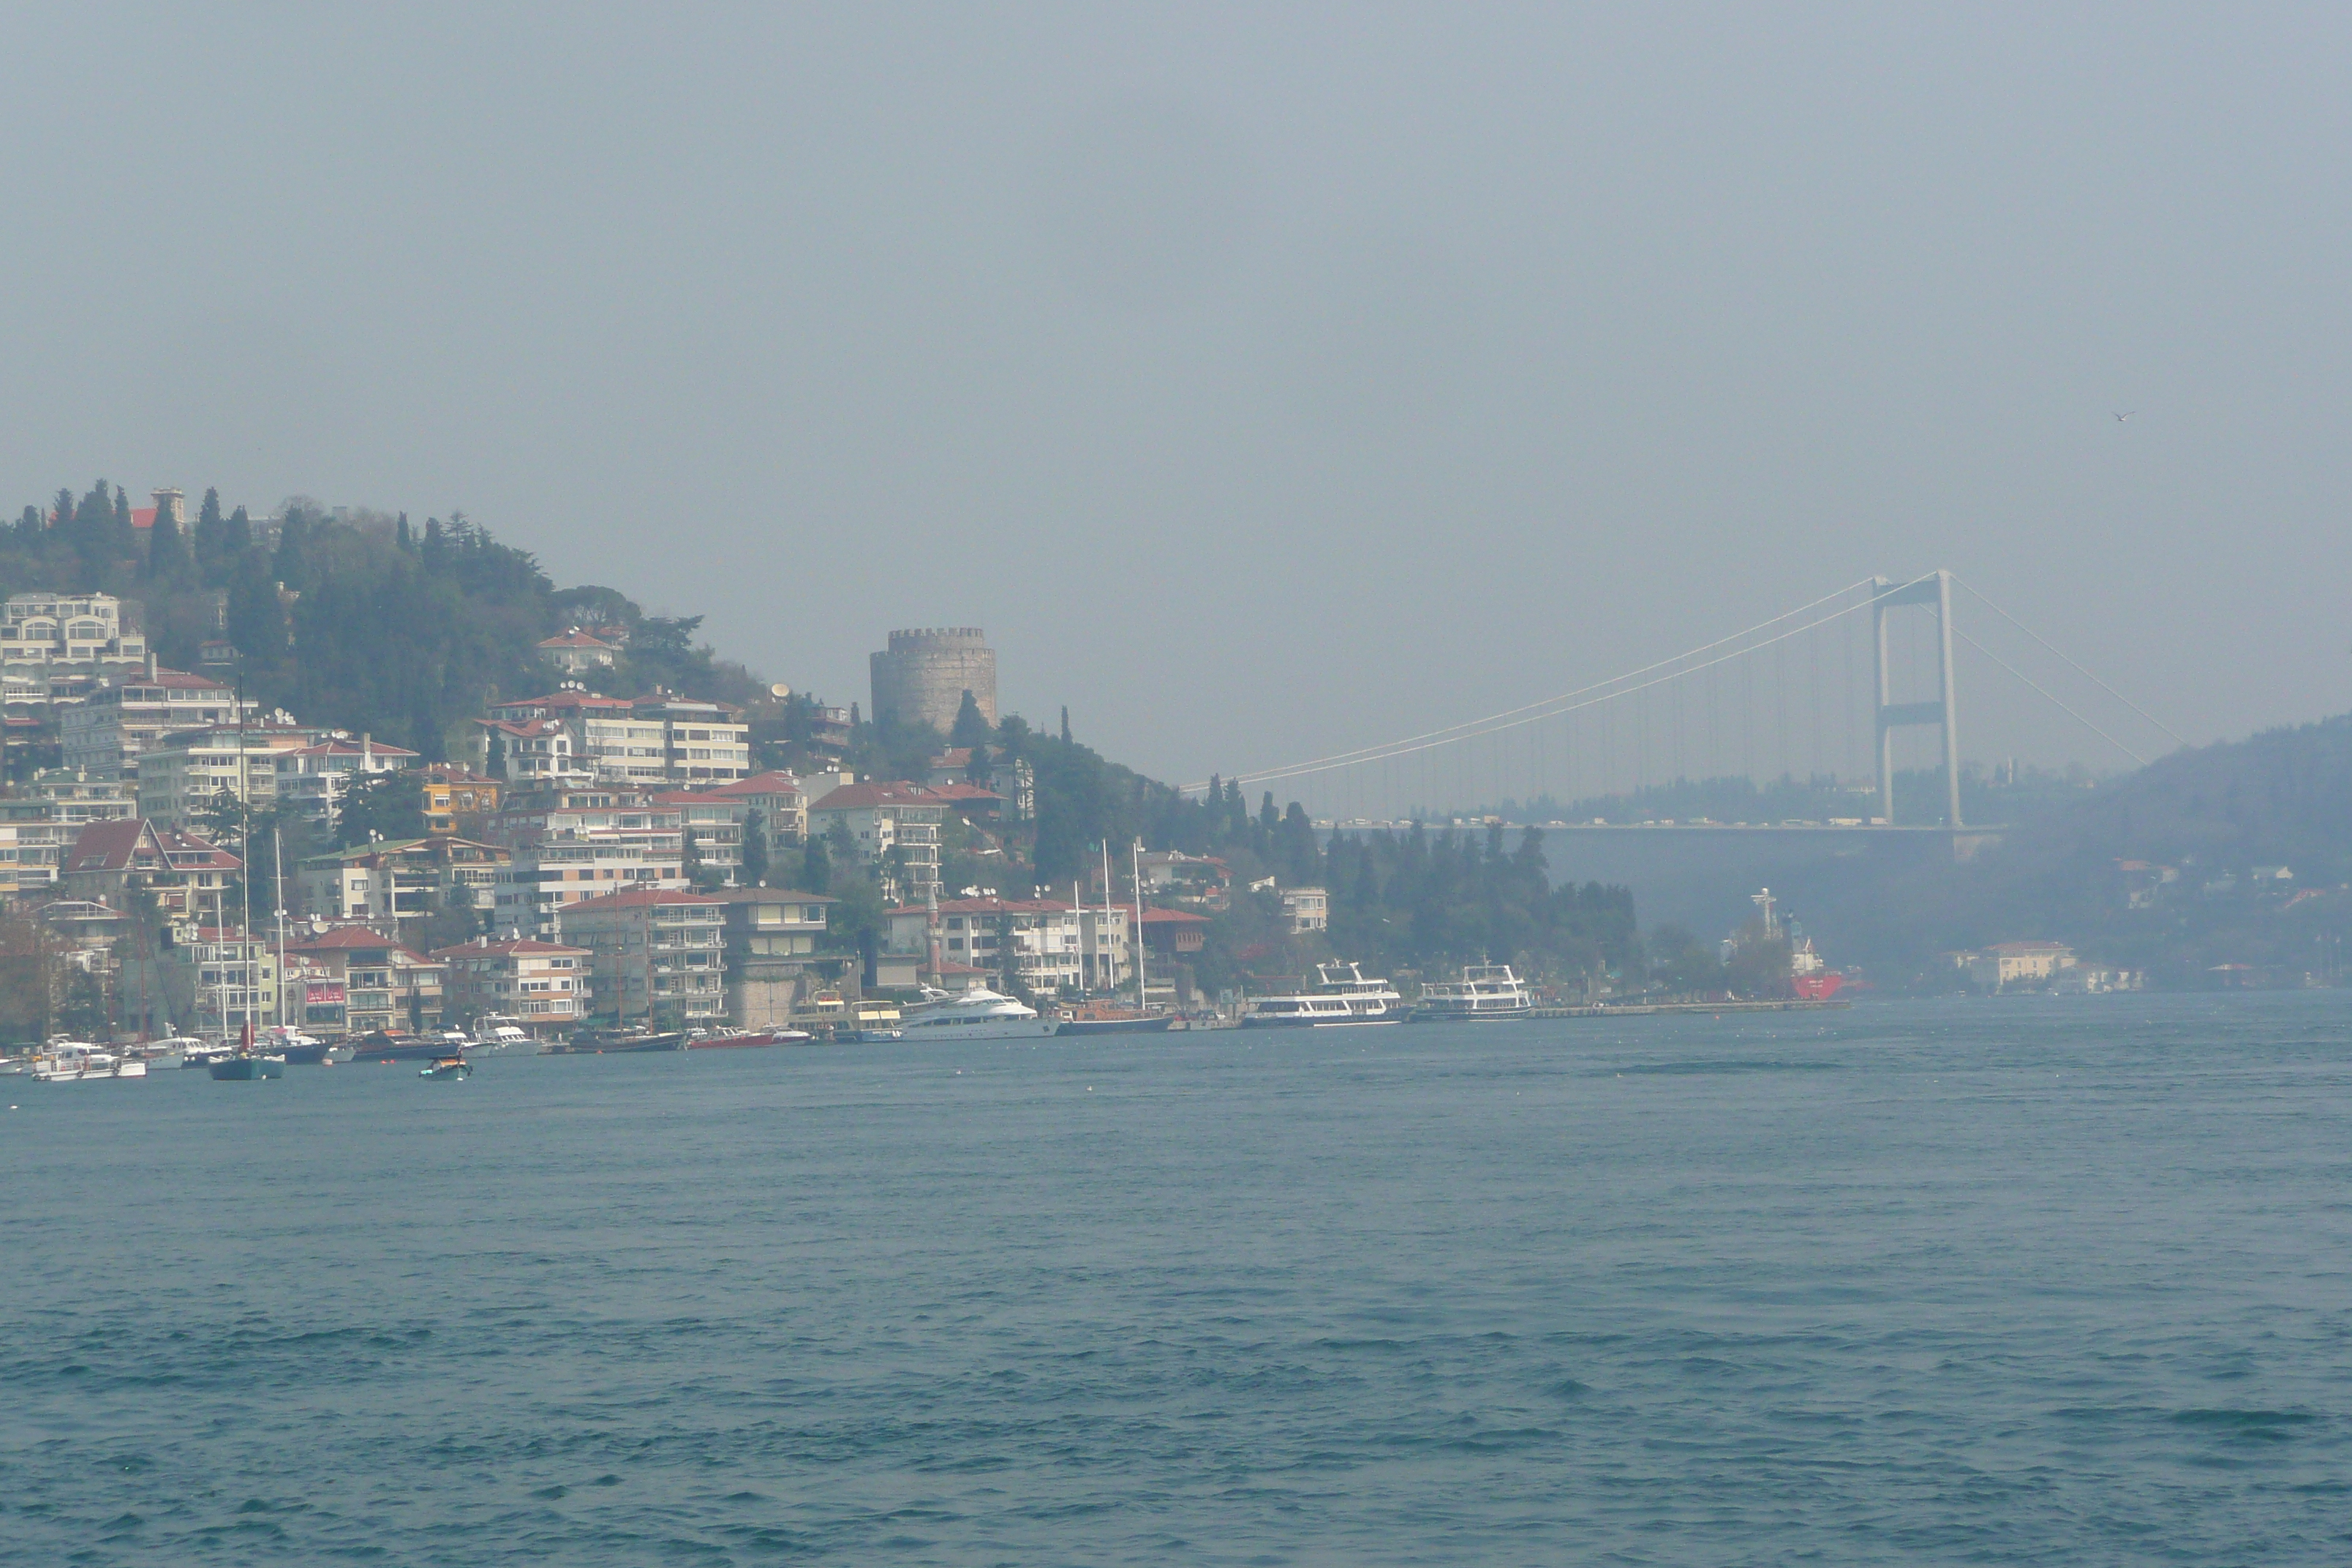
{"x":771,"y":783}
{"x":351,"y":749}
{"x":177,"y":681}
{"x":575,"y":638}
{"x":339,"y":938}
{"x":142,"y":517}
{"x":956,"y":792}
{"x":897,"y":793}
{"x":106,"y":845}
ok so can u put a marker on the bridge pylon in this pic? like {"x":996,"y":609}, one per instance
{"x":1934,"y":589}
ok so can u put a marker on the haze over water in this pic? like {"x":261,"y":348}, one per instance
{"x":2023,"y":1280}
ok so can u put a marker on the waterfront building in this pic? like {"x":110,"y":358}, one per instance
{"x":771,"y":936}
{"x":657,"y":954}
{"x":1037,"y":943}
{"x":224,"y":978}
{"x":572,"y":842}
{"x":543,"y":985}
{"x":357,"y":981}
{"x":2008,"y":963}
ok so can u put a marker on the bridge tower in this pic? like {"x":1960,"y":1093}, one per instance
{"x":1936,"y":590}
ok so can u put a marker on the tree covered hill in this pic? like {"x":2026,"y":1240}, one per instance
{"x":362,"y":623}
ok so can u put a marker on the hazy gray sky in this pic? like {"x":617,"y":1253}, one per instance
{"x":1266,"y":381}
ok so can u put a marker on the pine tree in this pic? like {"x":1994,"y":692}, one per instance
{"x":210,"y":541}
{"x":167,"y":551}
{"x":755,"y":849}
{"x":970,"y":729}
{"x":236,"y":539}
{"x":121,"y":539}
{"x":1066,"y":724}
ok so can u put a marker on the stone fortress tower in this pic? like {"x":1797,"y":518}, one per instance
{"x":923,"y":677}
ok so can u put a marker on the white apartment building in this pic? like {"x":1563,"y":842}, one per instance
{"x":655,"y":954}
{"x":572,"y":843}
{"x":655,"y":739}
{"x":46,"y":638}
{"x":888,"y":824}
{"x":544,"y":985}
{"x":1106,"y":952}
{"x":181,"y":775}
{"x":1307,"y":908}
{"x":105,"y":736}
{"x":783,"y":804}
{"x":1040,"y":941}
{"x":52,"y":812}
{"x":702,"y":741}
{"x":312,"y":780}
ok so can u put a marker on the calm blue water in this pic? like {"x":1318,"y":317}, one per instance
{"x":2020,"y":1281}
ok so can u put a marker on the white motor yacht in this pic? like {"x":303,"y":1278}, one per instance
{"x":1486,"y":990}
{"x":977,"y":1014}
{"x":1342,"y":996}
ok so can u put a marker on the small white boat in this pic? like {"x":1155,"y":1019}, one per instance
{"x":76,"y":1061}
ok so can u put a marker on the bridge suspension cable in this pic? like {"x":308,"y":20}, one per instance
{"x":2061,"y":707}
{"x":1567,"y":703}
{"x":2085,"y":674}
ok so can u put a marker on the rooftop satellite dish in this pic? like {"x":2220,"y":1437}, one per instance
{"x":780,"y":689}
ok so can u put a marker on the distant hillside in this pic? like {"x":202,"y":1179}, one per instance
{"x":2152,"y":871}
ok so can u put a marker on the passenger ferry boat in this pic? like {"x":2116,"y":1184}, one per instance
{"x":1342,"y":996}
{"x":977,"y":1014}
{"x":1484,"y":991}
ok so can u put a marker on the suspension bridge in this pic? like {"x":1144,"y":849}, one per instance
{"x":1853,"y":695}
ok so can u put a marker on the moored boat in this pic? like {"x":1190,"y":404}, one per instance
{"x":726,"y":1040}
{"x":1486,"y":990}
{"x":1342,"y":996}
{"x":393,"y":1046}
{"x":244,"y":1068}
{"x":978,"y":1014}
{"x":446,"y":1066}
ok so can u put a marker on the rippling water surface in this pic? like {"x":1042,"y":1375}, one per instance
{"x":2013,"y":1281}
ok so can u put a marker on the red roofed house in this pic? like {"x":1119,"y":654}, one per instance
{"x":893,"y":827}
{"x":779,"y":800}
{"x":1015,"y":783}
{"x":578,"y":653}
{"x":312,"y":780}
{"x":186,"y":874}
{"x":655,"y":954}
{"x":543,"y":985}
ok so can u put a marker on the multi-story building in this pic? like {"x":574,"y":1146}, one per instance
{"x":355,"y":981}
{"x":572,"y":842}
{"x":657,"y":954}
{"x":893,"y":828}
{"x":217,"y":982}
{"x":654,"y":740}
{"x":104,"y":735}
{"x":313,"y":779}
{"x":781,"y":802}
{"x":2008,"y":963}
{"x":48,"y":640}
{"x":712,"y":826}
{"x":50,"y":815}
{"x":702,"y":741}
{"x":1038,"y":943}
{"x":543,"y":985}
{"x":187,"y":875}
{"x":528,"y":751}
{"x":1106,"y":950}
{"x":184,"y":774}
{"x":771,"y":944}
{"x":404,"y":880}
{"x":451,"y":794}
{"x":1307,"y":908}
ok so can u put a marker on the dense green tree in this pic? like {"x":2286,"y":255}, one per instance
{"x":389,"y":806}
{"x":167,"y":560}
{"x":755,"y":848}
{"x":970,"y":728}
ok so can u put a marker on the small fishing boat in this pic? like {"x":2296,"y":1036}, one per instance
{"x":446,"y":1066}
{"x":724,"y":1040}
{"x":247,"y":1069}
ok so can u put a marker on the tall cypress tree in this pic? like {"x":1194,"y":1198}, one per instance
{"x":211,"y":541}
{"x":167,"y":551}
{"x":236,"y":539}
